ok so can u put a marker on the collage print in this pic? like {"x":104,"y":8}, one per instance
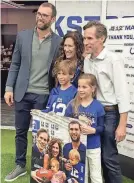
{"x":59,"y":149}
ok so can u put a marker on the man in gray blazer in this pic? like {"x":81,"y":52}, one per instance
{"x":30,"y":78}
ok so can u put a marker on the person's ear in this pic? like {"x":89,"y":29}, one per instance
{"x":53,"y":19}
{"x":93,"y":89}
{"x":102,"y":39}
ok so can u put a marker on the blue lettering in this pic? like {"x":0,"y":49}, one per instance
{"x":74,"y":22}
{"x":89,"y":18}
{"x":70,"y":24}
{"x":111,"y":17}
{"x":58,"y":27}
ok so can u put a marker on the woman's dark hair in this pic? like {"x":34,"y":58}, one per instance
{"x":78,"y":41}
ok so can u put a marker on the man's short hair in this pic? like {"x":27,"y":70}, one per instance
{"x":73,"y":122}
{"x":42,"y":130}
{"x":101,"y":29}
{"x":54,"y":12}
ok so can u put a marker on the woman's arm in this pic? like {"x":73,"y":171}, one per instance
{"x":46,"y":161}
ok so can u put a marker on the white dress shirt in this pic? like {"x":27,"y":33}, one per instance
{"x":112,"y":86}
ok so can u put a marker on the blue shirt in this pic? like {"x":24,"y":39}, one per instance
{"x":95,"y":112}
{"x":78,"y":170}
{"x":37,"y":158}
{"x":59,"y":99}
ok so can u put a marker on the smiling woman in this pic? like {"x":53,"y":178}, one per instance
{"x":72,"y":48}
{"x":54,"y":151}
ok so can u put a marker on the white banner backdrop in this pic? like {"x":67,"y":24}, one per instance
{"x":121,"y":40}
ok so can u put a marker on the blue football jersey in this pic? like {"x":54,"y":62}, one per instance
{"x":59,"y":99}
{"x":78,"y":170}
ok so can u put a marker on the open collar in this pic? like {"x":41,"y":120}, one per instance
{"x":101,"y":56}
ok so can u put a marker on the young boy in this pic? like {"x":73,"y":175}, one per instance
{"x":65,"y":92}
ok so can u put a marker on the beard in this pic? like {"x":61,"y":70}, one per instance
{"x":75,"y":140}
{"x":44,"y":26}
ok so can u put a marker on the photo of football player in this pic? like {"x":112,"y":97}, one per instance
{"x":38,"y":151}
{"x":75,"y":172}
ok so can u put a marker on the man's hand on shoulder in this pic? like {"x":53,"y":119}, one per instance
{"x":9,"y":98}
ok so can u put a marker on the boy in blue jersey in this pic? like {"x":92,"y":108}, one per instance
{"x":75,"y":172}
{"x":65,"y":92}
{"x":90,"y":110}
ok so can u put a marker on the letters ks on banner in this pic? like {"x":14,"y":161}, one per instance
{"x":54,"y":159}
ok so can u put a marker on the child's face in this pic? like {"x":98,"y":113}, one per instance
{"x":84,"y":89}
{"x":54,"y":168}
{"x":73,"y":158}
{"x":64,"y":78}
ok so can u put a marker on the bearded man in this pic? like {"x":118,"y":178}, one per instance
{"x":75,"y":173}
{"x":30,"y":78}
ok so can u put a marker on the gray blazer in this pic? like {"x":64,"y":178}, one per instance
{"x":18,"y":76}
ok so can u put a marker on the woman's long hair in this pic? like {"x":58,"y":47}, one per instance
{"x":50,"y":146}
{"x":78,"y":42}
{"x":91,"y":79}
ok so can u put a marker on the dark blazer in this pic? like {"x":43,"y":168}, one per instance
{"x":18,"y":77}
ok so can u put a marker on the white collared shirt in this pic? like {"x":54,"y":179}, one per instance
{"x":112,"y":86}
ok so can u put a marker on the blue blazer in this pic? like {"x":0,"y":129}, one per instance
{"x":18,"y":76}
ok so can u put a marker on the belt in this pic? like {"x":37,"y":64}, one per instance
{"x":111,"y":107}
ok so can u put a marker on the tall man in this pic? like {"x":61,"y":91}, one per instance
{"x":112,"y":93}
{"x":30,"y":78}
{"x":77,"y":171}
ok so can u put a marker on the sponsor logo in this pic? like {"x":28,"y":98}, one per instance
{"x":129,"y":126}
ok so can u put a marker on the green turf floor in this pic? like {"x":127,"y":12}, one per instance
{"x":7,"y":156}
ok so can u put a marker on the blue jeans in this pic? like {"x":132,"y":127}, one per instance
{"x":22,"y":122}
{"x":110,"y":159}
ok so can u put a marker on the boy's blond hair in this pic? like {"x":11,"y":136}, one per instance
{"x":74,"y":154}
{"x":66,"y":66}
